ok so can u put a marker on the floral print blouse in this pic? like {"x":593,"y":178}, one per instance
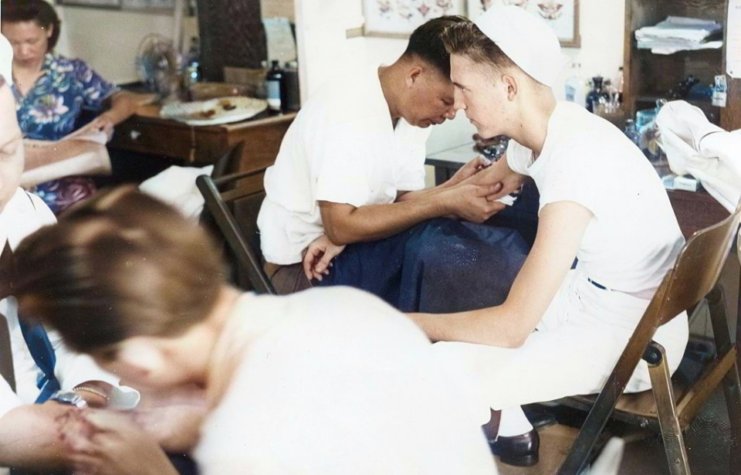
{"x":51,"y":108}
{"x":50,"y":111}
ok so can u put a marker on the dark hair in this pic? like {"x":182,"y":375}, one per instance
{"x":120,"y":265}
{"x":40,"y":11}
{"x":426,"y":42}
{"x":466,"y":39}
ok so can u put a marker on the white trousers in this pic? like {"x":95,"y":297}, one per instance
{"x":573,"y":350}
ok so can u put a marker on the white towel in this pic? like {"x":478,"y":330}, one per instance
{"x":695,"y":146}
{"x":177,"y":187}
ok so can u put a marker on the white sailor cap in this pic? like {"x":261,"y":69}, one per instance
{"x":526,"y":39}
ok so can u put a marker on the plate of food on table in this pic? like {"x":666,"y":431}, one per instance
{"x":214,"y":111}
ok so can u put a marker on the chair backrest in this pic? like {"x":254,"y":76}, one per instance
{"x":693,"y":276}
{"x":229,"y":161}
{"x":697,"y":269}
{"x":235,"y":213}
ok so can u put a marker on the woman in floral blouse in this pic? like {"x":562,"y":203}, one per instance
{"x":51,"y":91}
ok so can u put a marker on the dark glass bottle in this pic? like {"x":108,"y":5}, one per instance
{"x":292,"y":99}
{"x":595,"y":93}
{"x":275,"y":84}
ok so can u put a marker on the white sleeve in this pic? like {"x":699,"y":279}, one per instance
{"x":575,"y":176}
{"x":344,"y":155}
{"x":518,"y":158}
{"x":8,"y":399}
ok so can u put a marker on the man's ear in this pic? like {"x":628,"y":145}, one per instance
{"x":510,"y":83}
{"x":413,"y":75}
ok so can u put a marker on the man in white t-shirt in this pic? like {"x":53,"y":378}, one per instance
{"x":351,"y":169}
{"x":601,"y":202}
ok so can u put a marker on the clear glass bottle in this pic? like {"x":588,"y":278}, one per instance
{"x":576,"y":88}
{"x":632,"y":133}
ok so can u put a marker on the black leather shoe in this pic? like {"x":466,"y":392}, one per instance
{"x":519,"y":450}
{"x":540,"y":419}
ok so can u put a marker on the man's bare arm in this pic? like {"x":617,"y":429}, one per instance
{"x":346,"y":224}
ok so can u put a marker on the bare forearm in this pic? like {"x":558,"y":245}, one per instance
{"x":369,"y":223}
{"x":421,"y":194}
{"x":123,"y":106}
{"x":492,"y":326}
{"x":30,"y":437}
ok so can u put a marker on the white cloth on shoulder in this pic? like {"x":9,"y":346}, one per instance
{"x":176,"y":186}
{"x":695,"y":146}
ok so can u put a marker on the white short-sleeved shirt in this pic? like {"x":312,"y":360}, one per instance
{"x":23,"y":215}
{"x":334,"y":381}
{"x":341,"y":148}
{"x":634,"y":238}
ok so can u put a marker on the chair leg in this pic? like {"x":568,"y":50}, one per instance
{"x":671,"y":432}
{"x":731,"y":381}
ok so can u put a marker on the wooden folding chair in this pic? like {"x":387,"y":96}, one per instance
{"x":693,"y":278}
{"x":235,"y":211}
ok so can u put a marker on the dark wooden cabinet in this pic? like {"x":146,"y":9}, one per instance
{"x":649,"y":76}
{"x":147,"y":133}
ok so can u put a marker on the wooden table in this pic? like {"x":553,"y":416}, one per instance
{"x":147,"y":133}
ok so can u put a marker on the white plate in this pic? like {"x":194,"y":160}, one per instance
{"x":215,"y":111}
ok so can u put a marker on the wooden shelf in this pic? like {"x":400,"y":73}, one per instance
{"x":650,"y":76}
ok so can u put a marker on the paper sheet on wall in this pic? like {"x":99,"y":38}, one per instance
{"x":281,"y":45}
{"x":733,"y":39}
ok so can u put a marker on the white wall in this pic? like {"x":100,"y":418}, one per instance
{"x":324,"y":50}
{"x":108,"y":40}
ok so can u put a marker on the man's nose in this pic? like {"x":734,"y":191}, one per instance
{"x":458,"y":103}
{"x":450,"y":113}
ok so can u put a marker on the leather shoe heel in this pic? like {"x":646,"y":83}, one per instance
{"x":519,"y":450}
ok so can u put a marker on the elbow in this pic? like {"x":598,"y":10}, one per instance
{"x":341,"y":233}
{"x":514,"y":342}
{"x":338,"y":237}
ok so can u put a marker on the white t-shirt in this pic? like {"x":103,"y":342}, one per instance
{"x":634,"y":238}
{"x":341,"y":148}
{"x":23,"y":215}
{"x":334,"y":381}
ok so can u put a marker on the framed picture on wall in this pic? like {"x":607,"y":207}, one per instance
{"x":561,"y":15}
{"x":399,"y":18}
{"x":91,"y":3}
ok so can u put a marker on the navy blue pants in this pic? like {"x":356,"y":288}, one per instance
{"x":443,"y":265}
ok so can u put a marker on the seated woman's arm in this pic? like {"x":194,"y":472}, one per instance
{"x":123,"y":106}
{"x":560,"y":231}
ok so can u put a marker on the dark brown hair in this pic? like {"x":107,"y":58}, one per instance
{"x":120,"y":265}
{"x":426,"y":42}
{"x":466,"y":39}
{"x":40,"y":11}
